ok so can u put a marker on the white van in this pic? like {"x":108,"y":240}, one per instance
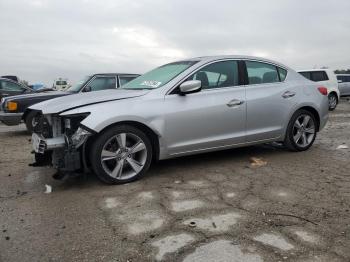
{"x":328,"y":79}
{"x":60,"y":84}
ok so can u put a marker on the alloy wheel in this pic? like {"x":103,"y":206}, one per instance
{"x":123,"y":156}
{"x":304,"y":130}
{"x":332,"y":101}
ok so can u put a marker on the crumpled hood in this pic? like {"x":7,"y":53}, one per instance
{"x":65,"y":103}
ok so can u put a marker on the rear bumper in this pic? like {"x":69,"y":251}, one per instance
{"x":11,"y":119}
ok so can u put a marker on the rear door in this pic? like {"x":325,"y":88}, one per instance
{"x":9,"y":88}
{"x":269,"y":100}
{"x":344,"y":86}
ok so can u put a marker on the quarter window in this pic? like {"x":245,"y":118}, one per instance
{"x":216,"y":75}
{"x":318,"y":76}
{"x":261,"y":73}
{"x":102,"y":83}
{"x":283,"y":73}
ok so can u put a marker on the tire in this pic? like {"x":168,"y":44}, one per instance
{"x":332,"y":101}
{"x":114,"y":157}
{"x":29,"y":121}
{"x":297,"y":134}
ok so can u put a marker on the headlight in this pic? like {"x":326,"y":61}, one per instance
{"x":79,"y":137}
{"x":11,"y":106}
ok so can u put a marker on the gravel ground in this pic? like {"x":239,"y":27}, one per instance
{"x":251,"y":204}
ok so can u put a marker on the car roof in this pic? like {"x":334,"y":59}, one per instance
{"x":243,"y":57}
{"x":113,"y":74}
{"x":315,"y":70}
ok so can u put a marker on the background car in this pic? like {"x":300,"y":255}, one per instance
{"x":344,"y":84}
{"x":10,"y":87}
{"x":187,"y":107}
{"x":14,"y":109}
{"x":327,"y":78}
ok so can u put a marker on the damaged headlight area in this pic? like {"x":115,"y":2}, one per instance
{"x":75,"y":134}
{"x":79,"y":137}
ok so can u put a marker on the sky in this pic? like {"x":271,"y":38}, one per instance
{"x":41,"y":40}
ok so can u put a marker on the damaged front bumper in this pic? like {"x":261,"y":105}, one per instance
{"x":63,"y":152}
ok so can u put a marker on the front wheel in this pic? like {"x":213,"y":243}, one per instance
{"x":301,"y":131}
{"x":332,"y":101}
{"x":121,"y":154}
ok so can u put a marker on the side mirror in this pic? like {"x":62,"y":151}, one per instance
{"x":191,"y":86}
{"x":87,"y":89}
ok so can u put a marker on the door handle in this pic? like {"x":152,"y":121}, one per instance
{"x":288,"y":94}
{"x":235,"y":102}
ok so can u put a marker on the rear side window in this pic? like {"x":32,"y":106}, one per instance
{"x":347,"y":79}
{"x":261,"y":73}
{"x":306,"y":75}
{"x":318,"y":76}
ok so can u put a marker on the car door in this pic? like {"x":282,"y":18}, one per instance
{"x":211,"y":118}
{"x":269,"y":100}
{"x":9,"y":88}
{"x":346,"y":85}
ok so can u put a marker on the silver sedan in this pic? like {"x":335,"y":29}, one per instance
{"x":187,"y":107}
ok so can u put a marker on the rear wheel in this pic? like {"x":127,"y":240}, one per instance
{"x":332,"y":101}
{"x":121,"y":154}
{"x":301,"y":131}
{"x":31,"y":121}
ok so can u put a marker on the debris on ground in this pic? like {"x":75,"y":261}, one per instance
{"x":342,"y":147}
{"x":192,"y":224}
{"x":257,"y":162}
{"x":177,"y":182}
{"x":48,"y":189}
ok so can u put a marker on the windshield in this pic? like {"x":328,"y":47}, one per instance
{"x":159,"y":76}
{"x":79,"y":85}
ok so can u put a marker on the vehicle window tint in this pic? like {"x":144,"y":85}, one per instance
{"x":261,"y":73}
{"x":346,"y":79}
{"x":283,"y":73}
{"x":319,"y":76}
{"x":9,"y":86}
{"x":216,"y":75}
{"x":306,"y":75}
{"x":125,"y":79}
{"x":102,"y":83}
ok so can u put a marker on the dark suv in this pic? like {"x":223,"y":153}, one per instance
{"x":9,"y":87}
{"x":14,"y":109}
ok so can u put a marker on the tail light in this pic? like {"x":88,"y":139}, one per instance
{"x":323,"y":90}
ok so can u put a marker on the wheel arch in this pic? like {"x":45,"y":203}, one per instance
{"x":335,"y":93}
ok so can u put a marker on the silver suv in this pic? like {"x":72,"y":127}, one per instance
{"x":182,"y":108}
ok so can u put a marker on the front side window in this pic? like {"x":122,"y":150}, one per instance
{"x":261,"y":73}
{"x":160,"y":76}
{"x":102,"y":83}
{"x":319,"y":76}
{"x":9,"y":86}
{"x":125,"y":79}
{"x":219,"y":74}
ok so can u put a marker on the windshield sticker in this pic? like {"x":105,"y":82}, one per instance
{"x":151,"y":83}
